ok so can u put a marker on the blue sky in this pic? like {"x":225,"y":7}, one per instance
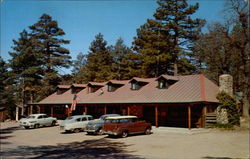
{"x":81,"y":20}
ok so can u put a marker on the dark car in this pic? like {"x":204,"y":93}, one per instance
{"x":95,"y":126}
{"x":125,"y":125}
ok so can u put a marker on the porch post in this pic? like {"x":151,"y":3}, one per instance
{"x":128,"y":110}
{"x":31,"y":109}
{"x":156,"y":115}
{"x":105,"y":109}
{"x":51,"y":111}
{"x":85,"y":109}
{"x":189,"y":116}
{"x":204,"y":116}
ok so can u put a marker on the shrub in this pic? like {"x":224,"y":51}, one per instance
{"x":229,"y":103}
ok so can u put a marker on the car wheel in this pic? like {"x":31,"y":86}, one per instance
{"x":36,"y":126}
{"x":148,"y":131}
{"x":99,"y":132}
{"x":26,"y":127}
{"x":76,"y":130}
{"x":53,"y":123}
{"x":90,"y":133}
{"x":125,"y":134}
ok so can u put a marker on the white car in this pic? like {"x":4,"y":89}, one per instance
{"x":37,"y":120}
{"x":75,"y":123}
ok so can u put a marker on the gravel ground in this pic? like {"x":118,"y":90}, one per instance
{"x":50,"y":143}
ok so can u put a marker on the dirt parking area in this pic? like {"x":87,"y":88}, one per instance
{"x":50,"y":143}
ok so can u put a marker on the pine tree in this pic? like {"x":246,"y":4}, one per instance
{"x":46,"y":37}
{"x":99,"y":61}
{"x":26,"y":71}
{"x":164,"y":42}
{"x":121,"y":66}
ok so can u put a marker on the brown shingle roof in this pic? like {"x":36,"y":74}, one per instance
{"x":189,"y":88}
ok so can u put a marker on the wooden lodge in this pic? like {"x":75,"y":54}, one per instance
{"x":175,"y":101}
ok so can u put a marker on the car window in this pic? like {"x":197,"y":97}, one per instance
{"x":31,"y":117}
{"x":69,"y":118}
{"x":84,"y":119}
{"x":78,"y":119}
{"x":40,"y":117}
{"x":45,"y":116}
{"x":90,"y":118}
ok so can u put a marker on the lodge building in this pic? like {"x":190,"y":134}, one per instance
{"x":175,"y":101}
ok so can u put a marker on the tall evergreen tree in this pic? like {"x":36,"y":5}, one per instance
{"x":46,"y":37}
{"x":121,"y":66}
{"x":99,"y":61}
{"x":165,"y":41}
{"x":25,"y":68}
{"x":7,"y":93}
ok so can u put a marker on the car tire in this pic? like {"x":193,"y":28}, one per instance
{"x":53,"y":123}
{"x":26,"y":127}
{"x":90,"y":133}
{"x":99,"y":132}
{"x":124,"y":134}
{"x":76,"y":130}
{"x":148,"y":131}
{"x":36,"y":126}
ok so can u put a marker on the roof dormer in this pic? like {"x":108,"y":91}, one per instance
{"x":138,"y":83}
{"x":114,"y":85}
{"x":164,"y":81}
{"x":75,"y":88}
{"x":62,"y":88}
{"x":94,"y":86}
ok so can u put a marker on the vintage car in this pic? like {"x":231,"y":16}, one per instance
{"x":75,"y":123}
{"x":95,"y":126}
{"x":37,"y":120}
{"x":125,"y":125}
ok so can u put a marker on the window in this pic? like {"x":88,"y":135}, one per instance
{"x":40,"y":117}
{"x":78,"y":119}
{"x":162,"y":84}
{"x":84,"y":119}
{"x":110,"y":88}
{"x":134,"y":86}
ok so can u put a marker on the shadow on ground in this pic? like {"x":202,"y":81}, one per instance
{"x":4,"y":134}
{"x":88,"y":149}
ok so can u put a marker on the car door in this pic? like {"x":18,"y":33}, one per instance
{"x":84,"y":122}
{"x":40,"y":119}
{"x":46,"y":120}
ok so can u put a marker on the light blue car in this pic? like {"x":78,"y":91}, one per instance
{"x":37,"y":120}
{"x":75,"y":123}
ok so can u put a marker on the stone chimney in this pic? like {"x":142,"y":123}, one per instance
{"x":225,"y":85}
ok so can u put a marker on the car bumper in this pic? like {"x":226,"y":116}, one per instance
{"x":26,"y":124}
{"x":111,"y":133}
{"x":91,"y":129}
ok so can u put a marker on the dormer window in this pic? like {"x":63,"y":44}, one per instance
{"x":110,"y":88}
{"x":134,"y":86}
{"x":165,"y":81}
{"x":162,"y":84}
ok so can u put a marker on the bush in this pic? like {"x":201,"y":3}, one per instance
{"x":229,"y":103}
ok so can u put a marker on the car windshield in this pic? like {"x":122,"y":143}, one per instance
{"x":31,"y":117}
{"x":69,"y":118}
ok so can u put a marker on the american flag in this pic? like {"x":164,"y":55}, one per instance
{"x":73,"y":105}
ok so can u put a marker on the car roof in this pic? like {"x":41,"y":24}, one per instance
{"x":122,"y":117}
{"x":37,"y":114}
{"x":79,"y":116}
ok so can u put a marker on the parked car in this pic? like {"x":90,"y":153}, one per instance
{"x":37,"y":120}
{"x":125,"y":125}
{"x":95,"y":126}
{"x":75,"y":123}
